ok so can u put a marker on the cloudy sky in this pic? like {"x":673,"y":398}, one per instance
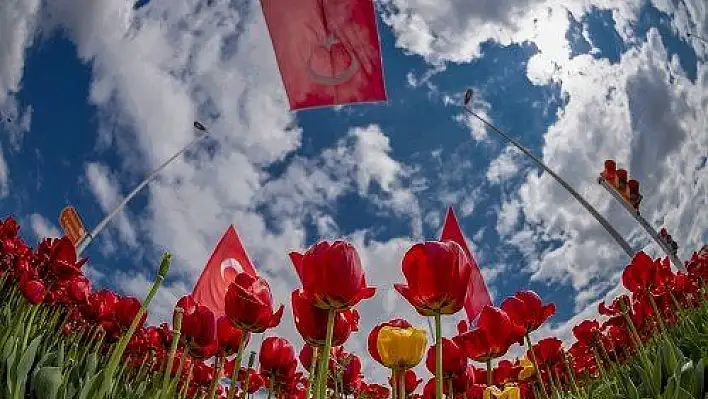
{"x":96,"y":93}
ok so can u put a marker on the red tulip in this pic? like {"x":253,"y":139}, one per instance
{"x":640,"y":274}
{"x":277,"y":357}
{"x":454,"y":360}
{"x":437,"y":275}
{"x":198,"y":324}
{"x":548,"y":351}
{"x":63,"y":261}
{"x":249,"y":304}
{"x":374,"y":336}
{"x":101,"y":305}
{"x":698,"y":264}
{"x":374,"y":391}
{"x":616,"y":308}
{"x":505,"y":372}
{"x":126,"y":310}
{"x":311,"y":322}
{"x":32,"y":290}
{"x":255,"y":381}
{"x":351,"y":374}
{"x":79,"y":289}
{"x":306,"y":354}
{"x":332,"y":275}
{"x":229,"y":337}
{"x":493,"y":336}
{"x":527,"y":310}
{"x":587,"y":332}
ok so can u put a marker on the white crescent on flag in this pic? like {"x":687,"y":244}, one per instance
{"x":233,"y":264}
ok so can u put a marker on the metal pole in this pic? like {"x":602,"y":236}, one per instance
{"x":643,"y":222}
{"x":201,"y":133}
{"x":605,"y":224}
{"x":697,"y":37}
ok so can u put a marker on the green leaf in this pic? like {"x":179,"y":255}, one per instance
{"x":671,"y":388}
{"x":24,"y":365}
{"x":683,"y":394}
{"x":10,"y":365}
{"x":89,"y":386}
{"x":629,"y":387}
{"x":47,"y":382}
{"x":699,"y":379}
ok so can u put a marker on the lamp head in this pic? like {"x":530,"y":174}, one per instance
{"x":468,"y":96}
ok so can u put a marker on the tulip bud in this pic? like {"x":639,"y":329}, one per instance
{"x":165,"y":264}
{"x":177,"y":319}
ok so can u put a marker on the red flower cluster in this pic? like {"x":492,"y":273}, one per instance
{"x":333,"y":284}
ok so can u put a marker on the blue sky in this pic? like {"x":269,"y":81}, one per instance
{"x":94,"y":95}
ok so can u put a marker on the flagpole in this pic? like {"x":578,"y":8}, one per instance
{"x":605,"y":224}
{"x":697,"y":37}
{"x":201,"y":133}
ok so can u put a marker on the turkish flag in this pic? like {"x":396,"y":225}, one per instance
{"x":477,"y":294}
{"x":328,"y":51}
{"x":228,"y":259}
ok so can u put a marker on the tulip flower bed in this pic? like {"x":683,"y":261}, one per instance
{"x":60,"y":340}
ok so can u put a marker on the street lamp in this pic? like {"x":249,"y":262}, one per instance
{"x":605,"y":224}
{"x":201,"y":133}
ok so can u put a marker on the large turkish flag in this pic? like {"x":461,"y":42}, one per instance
{"x":228,"y":259}
{"x":477,"y":294}
{"x":328,"y":51}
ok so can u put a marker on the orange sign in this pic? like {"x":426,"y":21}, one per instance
{"x":71,"y":223}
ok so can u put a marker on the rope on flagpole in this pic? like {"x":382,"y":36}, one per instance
{"x":605,"y":224}
{"x":201,"y":133}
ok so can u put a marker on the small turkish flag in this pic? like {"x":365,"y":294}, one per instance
{"x":477,"y":294}
{"x":228,"y":259}
{"x":328,"y":51}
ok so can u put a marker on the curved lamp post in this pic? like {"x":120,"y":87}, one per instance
{"x":201,"y":133}
{"x":605,"y":224}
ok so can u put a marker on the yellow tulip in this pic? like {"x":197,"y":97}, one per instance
{"x":509,"y":392}
{"x":528,"y":370}
{"x":401,"y":348}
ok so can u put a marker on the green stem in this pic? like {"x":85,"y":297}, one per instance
{"x":324,"y":361}
{"x":237,"y":366}
{"x":394,"y":384}
{"x":185,"y":386}
{"x":660,"y":319}
{"x":402,"y":385}
{"x":438,"y":357}
{"x":247,"y":382}
{"x":217,"y":371}
{"x":313,"y":368}
{"x":571,"y":373}
{"x":532,"y":352}
{"x":490,"y":376}
{"x":107,"y":378}
{"x":179,"y":312}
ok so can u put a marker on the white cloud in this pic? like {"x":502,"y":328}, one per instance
{"x":157,"y":69}
{"x":43,"y":228}
{"x":107,"y":191}
{"x":634,"y":113}
{"x":505,"y":166}
{"x":17,"y":26}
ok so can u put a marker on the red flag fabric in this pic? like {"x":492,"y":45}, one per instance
{"x":477,"y":293}
{"x":328,"y":51}
{"x":228,"y":259}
